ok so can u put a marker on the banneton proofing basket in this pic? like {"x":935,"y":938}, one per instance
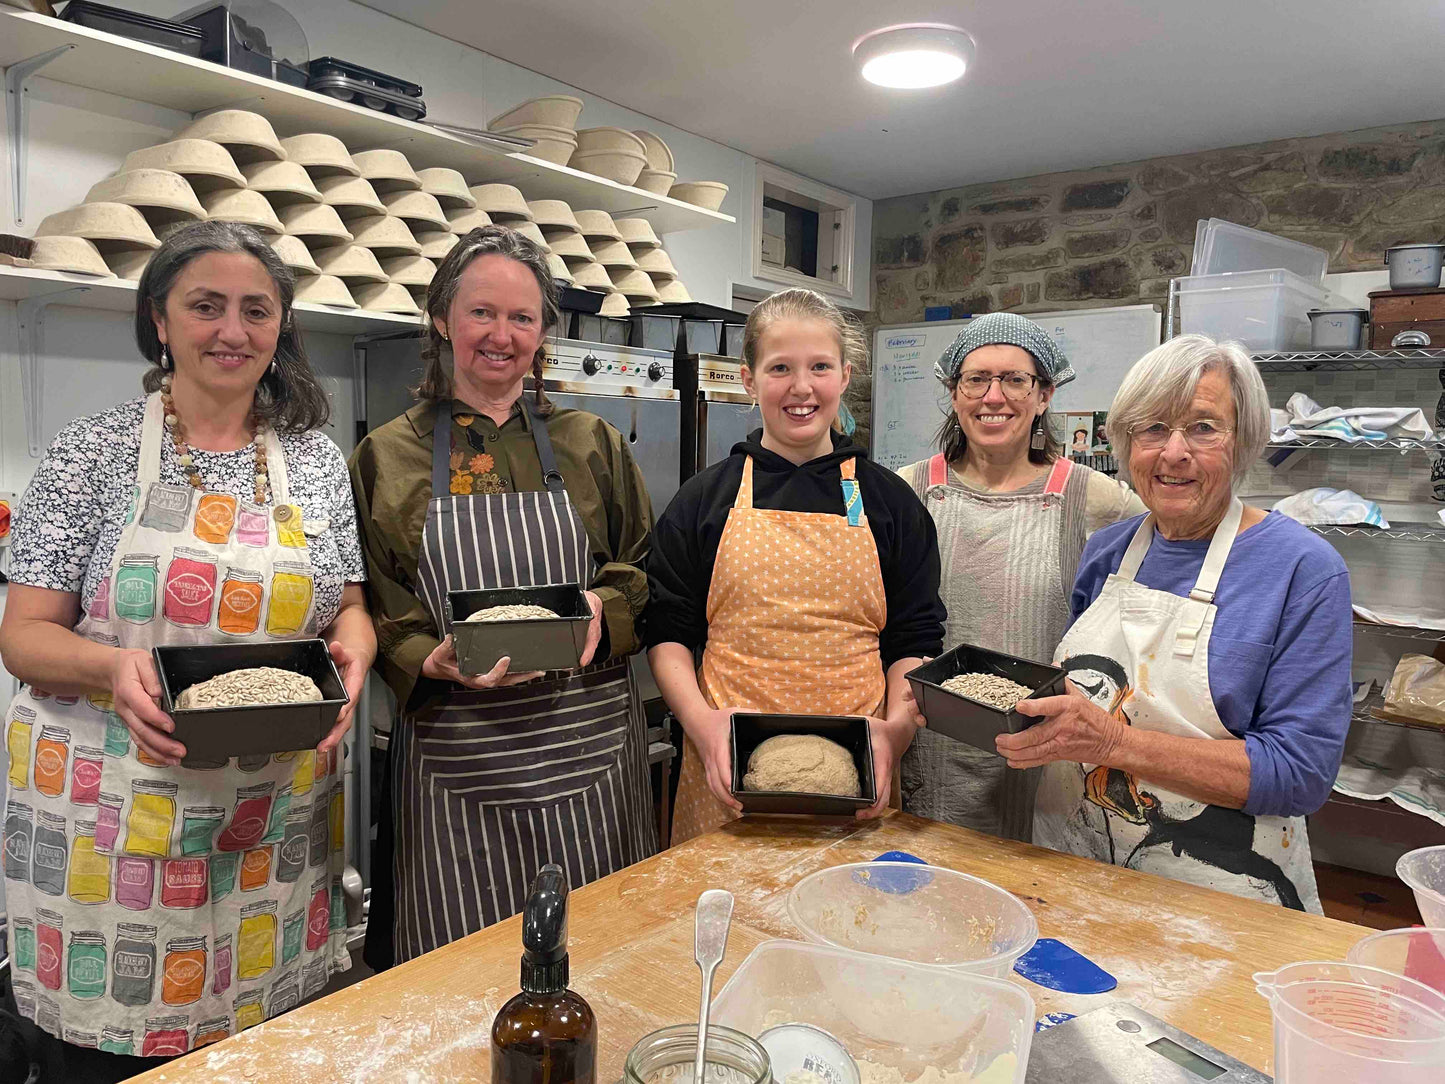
{"x":656,"y":263}
{"x":659,"y":154}
{"x":553,"y":214}
{"x":386,"y":235}
{"x":387,"y":170}
{"x":435,"y":244}
{"x":317,"y":222}
{"x":128,"y":263}
{"x":324,"y":290}
{"x":204,"y":163}
{"x":624,"y":167}
{"x":105,"y":224}
{"x":295,"y":255}
{"x":503,"y":199}
{"x":244,"y":206}
{"x":615,"y":304}
{"x":77,"y":255}
{"x":350,"y":263}
{"x":597,"y":224}
{"x":554,"y":110}
{"x":350,"y":196}
{"x":657,"y":181}
{"x":612,"y":254}
{"x":417,"y":208}
{"x":386,"y":297}
{"x":321,"y":154}
{"x":556,"y":145}
{"x":673,"y":292}
{"x":591,"y":275}
{"x":410,"y":270}
{"x":149,"y":188}
{"x":606,"y":138}
{"x":923,"y":914}
{"x":633,"y":283}
{"x":281,"y":182}
{"x":637,"y":233}
{"x":248,"y":136}
{"x":559,"y":268}
{"x":568,"y":244}
{"x":705,"y":194}
{"x":464,"y":220}
{"x":530,"y":231}
{"x":447,"y":186}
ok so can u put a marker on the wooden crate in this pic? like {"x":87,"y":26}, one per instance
{"x":1394,"y":311}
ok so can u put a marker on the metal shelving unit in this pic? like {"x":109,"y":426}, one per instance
{"x":1310,"y":361}
{"x":1395,"y":444}
{"x":1364,"y":713}
{"x":1399,"y":532}
{"x":1400,"y":632}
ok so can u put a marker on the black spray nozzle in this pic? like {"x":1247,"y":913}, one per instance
{"x":544,"y":933}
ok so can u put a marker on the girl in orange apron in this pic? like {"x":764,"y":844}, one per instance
{"x":803,"y":575}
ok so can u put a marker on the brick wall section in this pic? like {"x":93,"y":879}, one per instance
{"x":1117,"y":234}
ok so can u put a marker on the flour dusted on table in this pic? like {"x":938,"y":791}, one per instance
{"x":522,"y":612}
{"x":249,"y":687}
{"x":802,"y":763}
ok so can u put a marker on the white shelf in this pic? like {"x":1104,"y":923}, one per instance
{"x":130,"y":69}
{"x":118,"y":295}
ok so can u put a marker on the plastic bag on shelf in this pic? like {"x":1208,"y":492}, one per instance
{"x":1417,"y":689}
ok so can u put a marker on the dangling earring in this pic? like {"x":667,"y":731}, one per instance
{"x":1036,"y":442}
{"x":166,"y":358}
{"x":274,"y":367}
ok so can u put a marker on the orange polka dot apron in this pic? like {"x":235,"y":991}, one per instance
{"x":794,"y":612}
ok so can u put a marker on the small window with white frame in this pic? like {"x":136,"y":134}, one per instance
{"x":803,"y":232}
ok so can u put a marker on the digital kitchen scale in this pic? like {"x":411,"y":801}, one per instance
{"x":1123,"y":1044}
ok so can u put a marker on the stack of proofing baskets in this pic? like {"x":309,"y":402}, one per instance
{"x":1251,"y":287}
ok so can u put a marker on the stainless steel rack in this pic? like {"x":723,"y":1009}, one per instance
{"x":1400,"y":632}
{"x":1397,"y":532}
{"x":1348,"y":360}
{"x":1397,"y":444}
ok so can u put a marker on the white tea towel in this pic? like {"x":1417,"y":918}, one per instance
{"x":1304,"y":418}
{"x":1322,"y":505}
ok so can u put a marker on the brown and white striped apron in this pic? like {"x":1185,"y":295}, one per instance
{"x":489,"y":785}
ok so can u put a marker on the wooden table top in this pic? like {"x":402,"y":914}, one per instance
{"x":1183,"y":953}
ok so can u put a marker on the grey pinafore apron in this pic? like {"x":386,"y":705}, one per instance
{"x":489,"y":785}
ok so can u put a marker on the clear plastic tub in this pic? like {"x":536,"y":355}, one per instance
{"x":1349,"y":1024}
{"x":1263,"y":310}
{"x":1416,"y":953}
{"x":1221,"y":247}
{"x":1424,"y":871}
{"x":923,"y":914}
{"x":893,"y":1016}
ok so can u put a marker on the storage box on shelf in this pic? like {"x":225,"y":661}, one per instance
{"x":136,"y":70}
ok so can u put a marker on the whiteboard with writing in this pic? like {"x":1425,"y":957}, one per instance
{"x":909,"y":404}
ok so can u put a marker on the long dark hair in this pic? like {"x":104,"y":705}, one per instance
{"x":288,"y":396}
{"x":953,"y":443}
{"x":436,"y":379}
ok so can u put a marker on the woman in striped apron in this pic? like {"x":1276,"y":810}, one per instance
{"x":478,"y":487}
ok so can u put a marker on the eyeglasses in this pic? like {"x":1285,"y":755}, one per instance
{"x":1200,"y":435}
{"x":975,"y":385}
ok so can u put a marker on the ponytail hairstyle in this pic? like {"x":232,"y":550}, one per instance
{"x":802,"y":304}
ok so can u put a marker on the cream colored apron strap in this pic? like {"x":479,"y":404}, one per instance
{"x":745,"y":487}
{"x":1138,"y":547}
{"x":1201,"y":598}
{"x":152,"y":431}
{"x":276,"y":468}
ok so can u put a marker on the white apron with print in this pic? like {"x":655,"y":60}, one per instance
{"x":156,"y":909}
{"x":1143,"y":655}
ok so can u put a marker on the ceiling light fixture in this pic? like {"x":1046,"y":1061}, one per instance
{"x":914,"y":55}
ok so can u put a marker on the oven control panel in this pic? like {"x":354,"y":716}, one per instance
{"x":574,"y":362}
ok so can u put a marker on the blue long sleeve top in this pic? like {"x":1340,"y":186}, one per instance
{"x":1279,"y":654}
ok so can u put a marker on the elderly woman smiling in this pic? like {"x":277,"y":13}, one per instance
{"x":1209,"y":653}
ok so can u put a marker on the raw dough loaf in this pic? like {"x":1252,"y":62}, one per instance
{"x":803,"y":763}
{"x":246,"y":688}
{"x":520,"y":612}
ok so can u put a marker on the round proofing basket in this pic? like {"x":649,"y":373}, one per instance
{"x":77,"y":255}
{"x":409,"y":270}
{"x":633,"y":283}
{"x":242,"y":205}
{"x":419,"y":207}
{"x":384,"y":234}
{"x":569,"y":244}
{"x":598,"y":224}
{"x":705,"y":194}
{"x":613,"y":254}
{"x":673,"y":292}
{"x":609,"y":139}
{"x":447,"y":186}
{"x":204,"y":163}
{"x":924,"y":914}
{"x":502,"y":199}
{"x":553,"y":110}
{"x":657,"y":263}
{"x":592,"y":276}
{"x":466,"y":219}
{"x":321,"y":154}
{"x":637,"y":232}
{"x":350,"y":196}
{"x":553,"y":214}
{"x":101,"y":223}
{"x":350,"y":263}
{"x":386,"y":297}
{"x":314,"y":221}
{"x":324,"y":290}
{"x":387,"y":170}
{"x":295,"y":255}
{"x":615,"y":304}
{"x":281,"y":182}
{"x":624,"y":167}
{"x":435,"y":244}
{"x":659,"y":154}
{"x":144,"y":188}
{"x":128,"y":263}
{"x":554,"y":145}
{"x":248,"y":136}
{"x":658,"y":182}
{"x":560,"y":270}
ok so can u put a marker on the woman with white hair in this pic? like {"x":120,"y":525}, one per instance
{"x":1209,"y":653}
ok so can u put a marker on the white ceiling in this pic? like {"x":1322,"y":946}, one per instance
{"x":1057,"y":84}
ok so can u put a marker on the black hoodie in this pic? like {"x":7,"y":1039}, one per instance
{"x":686,"y":536}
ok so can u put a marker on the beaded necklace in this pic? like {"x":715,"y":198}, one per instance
{"x":183,"y":451}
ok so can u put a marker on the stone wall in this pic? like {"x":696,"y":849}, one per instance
{"x":1117,"y":234}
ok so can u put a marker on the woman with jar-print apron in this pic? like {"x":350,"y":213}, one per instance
{"x":159,"y":903}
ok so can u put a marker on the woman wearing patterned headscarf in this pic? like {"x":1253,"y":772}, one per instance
{"x":1012,"y":513}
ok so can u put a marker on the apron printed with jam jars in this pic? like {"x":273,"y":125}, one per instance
{"x":158,"y":909}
